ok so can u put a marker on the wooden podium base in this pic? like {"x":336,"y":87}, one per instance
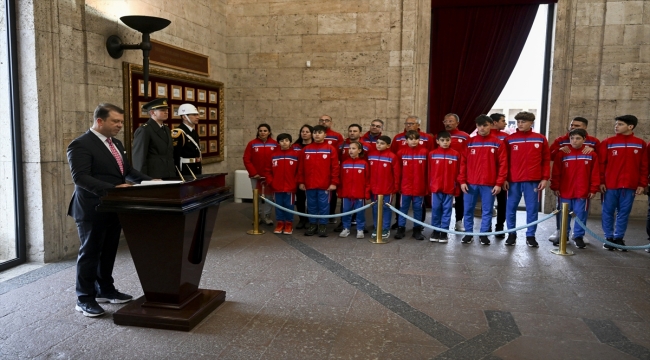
{"x":183,"y":319}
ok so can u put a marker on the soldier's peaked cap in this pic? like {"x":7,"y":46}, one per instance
{"x":156,"y":104}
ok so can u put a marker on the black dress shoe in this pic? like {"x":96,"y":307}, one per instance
{"x":90,"y":308}
{"x":114,"y":297}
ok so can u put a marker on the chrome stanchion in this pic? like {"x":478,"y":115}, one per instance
{"x":256,"y":214}
{"x":380,"y":222}
{"x":563,"y":234}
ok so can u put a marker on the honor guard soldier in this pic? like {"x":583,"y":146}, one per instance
{"x":153,"y":153}
{"x":187,"y":152}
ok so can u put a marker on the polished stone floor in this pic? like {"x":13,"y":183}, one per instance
{"x":297,"y":297}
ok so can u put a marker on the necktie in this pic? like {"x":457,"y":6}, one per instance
{"x":116,"y":154}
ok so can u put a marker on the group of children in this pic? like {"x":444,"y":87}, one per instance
{"x":480,"y":167}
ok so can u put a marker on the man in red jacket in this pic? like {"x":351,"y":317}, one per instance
{"x":376,"y":127}
{"x":528,"y":174}
{"x":334,"y":139}
{"x":482,"y":174}
{"x":498,"y":124}
{"x":575,"y":181}
{"x":413,"y":182}
{"x":318,"y":175}
{"x":623,"y":174}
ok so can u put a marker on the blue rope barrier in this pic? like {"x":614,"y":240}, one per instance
{"x":604,"y":241}
{"x":470,"y":233}
{"x":318,"y":216}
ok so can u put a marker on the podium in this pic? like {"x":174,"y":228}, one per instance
{"x":168,"y":230}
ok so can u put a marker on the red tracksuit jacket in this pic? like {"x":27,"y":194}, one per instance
{"x":564,"y":140}
{"x":345,"y":147}
{"x":318,"y":166}
{"x":623,"y":162}
{"x":413,"y":172}
{"x":384,"y":172}
{"x":444,"y":169}
{"x":575,"y":175}
{"x":500,"y":134}
{"x":399,"y":142}
{"x":485,"y":162}
{"x":529,"y":157}
{"x":367,"y":137}
{"x":257,"y":156}
{"x":333,"y":138}
{"x":459,"y":141}
{"x":282,"y":171}
{"x":355,"y":179}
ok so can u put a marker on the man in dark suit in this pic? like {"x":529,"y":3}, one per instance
{"x":187,"y":152}
{"x":153,"y":153}
{"x":97,"y":163}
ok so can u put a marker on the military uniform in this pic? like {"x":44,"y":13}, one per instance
{"x":187,"y":153}
{"x":153,"y":153}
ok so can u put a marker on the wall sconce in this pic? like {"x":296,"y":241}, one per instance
{"x":146,"y":25}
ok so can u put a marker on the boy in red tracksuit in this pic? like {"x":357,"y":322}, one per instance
{"x":384,"y":180}
{"x":355,"y":187}
{"x":282,"y":174}
{"x":318,"y":175}
{"x":528,"y":173}
{"x":575,"y":181}
{"x":483,"y":172}
{"x":444,"y":169}
{"x":623,"y":174}
{"x":413,"y":182}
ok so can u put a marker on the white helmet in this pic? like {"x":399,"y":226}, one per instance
{"x":187,"y":109}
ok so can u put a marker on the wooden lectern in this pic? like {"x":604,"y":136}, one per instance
{"x":168,"y":230}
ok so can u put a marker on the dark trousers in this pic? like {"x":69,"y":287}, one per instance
{"x":333,"y":199}
{"x":502,"y":198}
{"x":99,"y":241}
{"x":459,"y":207}
{"x":301,"y":201}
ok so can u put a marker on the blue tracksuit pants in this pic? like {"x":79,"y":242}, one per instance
{"x":441,"y":205}
{"x":580,"y":208}
{"x":417,"y":208}
{"x":616,"y":207}
{"x":530,"y":193}
{"x":386,"y":216}
{"x":286,"y":200}
{"x":353,"y":204}
{"x":487,"y":203}
{"x":318,"y":203}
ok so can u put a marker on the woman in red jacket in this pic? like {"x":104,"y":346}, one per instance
{"x":256,"y":158}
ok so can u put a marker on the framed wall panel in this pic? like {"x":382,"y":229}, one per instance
{"x":211,"y":90}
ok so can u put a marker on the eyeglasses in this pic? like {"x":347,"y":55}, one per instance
{"x":325,"y":120}
{"x":409,"y":124}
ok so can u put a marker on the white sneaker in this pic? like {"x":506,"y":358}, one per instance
{"x":459,"y":226}
{"x":432,"y":239}
{"x":555,"y":237}
{"x":360,"y":234}
{"x":345,"y":233}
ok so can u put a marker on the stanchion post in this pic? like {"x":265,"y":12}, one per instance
{"x":256,"y":214}
{"x":564,"y":229}
{"x":380,"y":222}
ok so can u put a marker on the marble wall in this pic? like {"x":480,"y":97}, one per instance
{"x":368,"y":59}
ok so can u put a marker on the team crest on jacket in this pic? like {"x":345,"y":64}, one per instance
{"x":536,"y":146}
{"x":257,"y":149}
{"x":636,"y":151}
{"x":515,"y":147}
{"x":421,"y":142}
{"x":275,"y":163}
{"x":460,"y":140}
{"x":359,"y":171}
{"x":450,"y":161}
{"x":324,"y":156}
{"x":385,"y":165}
{"x":614,"y":152}
{"x":405,"y":162}
{"x":291,"y":162}
{"x":473,"y":151}
{"x":492,"y":150}
{"x":329,"y":142}
{"x":307,"y":156}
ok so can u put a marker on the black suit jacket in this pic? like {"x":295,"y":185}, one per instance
{"x":94,"y":170}
{"x":153,"y":153}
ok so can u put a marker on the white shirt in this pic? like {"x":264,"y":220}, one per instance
{"x":103,"y":139}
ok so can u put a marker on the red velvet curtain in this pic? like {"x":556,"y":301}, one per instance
{"x":474,"y":50}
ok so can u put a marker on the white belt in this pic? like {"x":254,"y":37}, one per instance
{"x":190,"y":160}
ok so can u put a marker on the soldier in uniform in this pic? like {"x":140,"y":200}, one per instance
{"x":187,"y":152}
{"x":153,"y":153}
